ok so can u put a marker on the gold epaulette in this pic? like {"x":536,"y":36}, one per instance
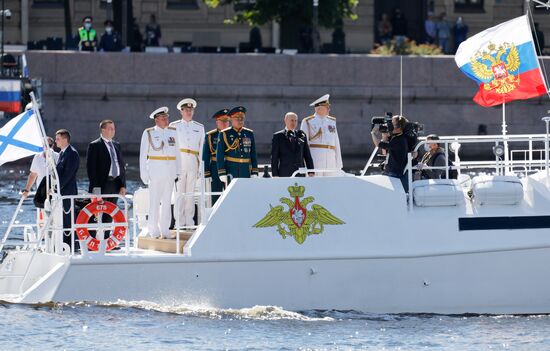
{"x":149,"y":129}
{"x":171,"y":128}
{"x":175,"y":122}
{"x":200,"y":124}
{"x":333,"y":118}
{"x":226,"y":129}
{"x":250,"y":130}
{"x":212,"y":131}
{"x":309,"y":117}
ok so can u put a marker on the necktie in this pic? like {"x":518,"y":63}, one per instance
{"x":114,"y":160}
{"x":290,"y":134}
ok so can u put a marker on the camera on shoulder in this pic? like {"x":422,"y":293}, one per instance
{"x":385,"y":124}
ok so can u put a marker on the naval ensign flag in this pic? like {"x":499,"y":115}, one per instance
{"x":503,"y":62}
{"x":20,"y":137}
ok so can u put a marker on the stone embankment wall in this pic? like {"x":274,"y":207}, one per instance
{"x":80,"y":89}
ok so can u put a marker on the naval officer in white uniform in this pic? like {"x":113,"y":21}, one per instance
{"x":191,"y":139}
{"x":322,"y":137}
{"x":159,"y":166}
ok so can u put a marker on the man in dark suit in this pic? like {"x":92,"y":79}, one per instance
{"x":104,"y":162}
{"x":67,"y":167}
{"x":105,"y":167}
{"x":289,"y":149}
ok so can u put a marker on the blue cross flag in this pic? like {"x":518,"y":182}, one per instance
{"x":20,"y":137}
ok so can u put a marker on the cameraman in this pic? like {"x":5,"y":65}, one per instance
{"x":396,"y":147}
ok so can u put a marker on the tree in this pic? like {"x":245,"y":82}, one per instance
{"x":295,"y":16}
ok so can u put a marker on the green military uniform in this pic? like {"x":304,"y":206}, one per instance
{"x":209,"y":159}
{"x":236,"y":150}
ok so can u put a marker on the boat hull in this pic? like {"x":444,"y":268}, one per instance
{"x":516,"y":281}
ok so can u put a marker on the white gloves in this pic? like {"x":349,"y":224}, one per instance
{"x":223,"y":178}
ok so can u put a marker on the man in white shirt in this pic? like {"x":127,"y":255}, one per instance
{"x":38,"y":168}
{"x":191,"y":139}
{"x":322,"y":136}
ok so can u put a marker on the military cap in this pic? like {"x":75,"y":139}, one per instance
{"x":220,"y":113}
{"x":236,"y":110}
{"x":187,"y":103}
{"x":322,"y":101}
{"x":159,"y":111}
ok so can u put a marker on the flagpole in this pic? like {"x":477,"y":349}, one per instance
{"x":401,"y":85}
{"x":506,"y":157}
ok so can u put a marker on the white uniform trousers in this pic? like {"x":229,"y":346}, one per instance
{"x":160,"y":213}
{"x":324,"y":159}
{"x":186,"y":184}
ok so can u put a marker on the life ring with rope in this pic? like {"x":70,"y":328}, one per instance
{"x":96,"y":208}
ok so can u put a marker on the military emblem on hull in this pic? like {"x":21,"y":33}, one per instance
{"x":297,"y":220}
{"x":496,"y":66}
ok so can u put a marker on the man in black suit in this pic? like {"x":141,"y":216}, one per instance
{"x":104,"y":162}
{"x":289,"y":149}
{"x":105,"y":167}
{"x":67,"y":167}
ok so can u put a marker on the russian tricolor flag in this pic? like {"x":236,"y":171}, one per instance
{"x":503,"y":62}
{"x":10,"y":95}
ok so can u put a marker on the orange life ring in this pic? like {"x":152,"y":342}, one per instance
{"x":100,"y":207}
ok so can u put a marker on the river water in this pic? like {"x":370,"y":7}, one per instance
{"x":142,"y":325}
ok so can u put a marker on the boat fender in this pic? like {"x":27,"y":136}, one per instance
{"x":96,"y":208}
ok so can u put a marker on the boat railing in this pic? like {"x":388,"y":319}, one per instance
{"x":52,"y":233}
{"x":501,"y":164}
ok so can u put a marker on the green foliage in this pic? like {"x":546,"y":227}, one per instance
{"x":407,"y":47}
{"x":259,"y":12}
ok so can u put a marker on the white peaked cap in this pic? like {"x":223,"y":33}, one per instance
{"x":187,"y":103}
{"x":159,"y":110}
{"x":320,"y":100}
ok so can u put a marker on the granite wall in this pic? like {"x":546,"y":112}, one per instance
{"x":80,"y":89}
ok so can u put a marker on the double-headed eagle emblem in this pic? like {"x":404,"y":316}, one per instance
{"x":498,"y":66}
{"x":298,"y":221}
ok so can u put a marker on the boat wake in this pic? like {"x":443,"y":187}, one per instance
{"x":252,"y":313}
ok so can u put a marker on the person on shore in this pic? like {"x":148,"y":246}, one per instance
{"x":110,"y":40}
{"x":159,"y":167}
{"x":322,"y":135}
{"x":443,"y":33}
{"x":236,"y":149}
{"x":152,"y":32}
{"x":430,"y":28}
{"x":87,"y":35}
{"x":460,"y":32}
{"x":290,"y":149}
{"x":209,"y":152}
{"x":67,"y":167}
{"x":384,"y":29}
{"x":190,"y":135}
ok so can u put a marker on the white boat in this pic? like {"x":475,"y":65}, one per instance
{"x":479,"y":244}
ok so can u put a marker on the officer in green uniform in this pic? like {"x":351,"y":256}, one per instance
{"x":209,"y":152}
{"x":87,"y":36}
{"x":236,"y":151}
